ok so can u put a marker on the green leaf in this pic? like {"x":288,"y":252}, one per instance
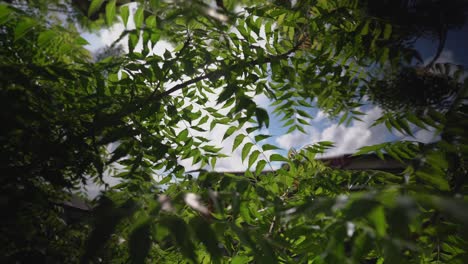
{"x":260,"y":166}
{"x":108,"y":216}
{"x":291,"y":129}
{"x":365,"y":28}
{"x":435,"y":180}
{"x":246,"y":150}
{"x":377,"y":217}
{"x":262,"y":117}
{"x":138,"y":17}
{"x":226,"y":93}
{"x":203,"y":120}
{"x":278,"y":157}
{"x":180,"y":232}
{"x":326,"y":144}
{"x":23,"y":27}
{"x":229,"y":132}
{"x":197,"y":128}
{"x":124,"y":13}
{"x":110,"y":12}
{"x":165,"y":180}
{"x":4,"y":14}
{"x":139,"y":242}
{"x":240,"y":260}
{"x":362,"y":246}
{"x":81,"y":41}
{"x":213,"y":124}
{"x":268,"y":27}
{"x":213,"y":162}
{"x":151,"y":22}
{"x":45,"y":38}
{"x":261,"y":137}
{"x":253,"y":157}
{"x":183,"y":135}
{"x":266,"y":147}
{"x":415,"y":120}
{"x":303,"y":113}
{"x":211,"y":149}
{"x":237,"y":141}
{"x":251,"y":129}
{"x":367,"y":149}
{"x":343,"y":118}
{"x":387,"y":31}
{"x":454,"y":207}
{"x":302,"y":121}
{"x":300,"y":128}
{"x":94,"y":6}
{"x":155,"y":4}
{"x":403,"y":124}
{"x":245,"y":212}
{"x":207,"y":236}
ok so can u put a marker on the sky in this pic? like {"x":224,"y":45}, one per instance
{"x":347,"y":139}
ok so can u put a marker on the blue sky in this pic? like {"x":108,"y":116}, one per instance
{"x":347,"y":138}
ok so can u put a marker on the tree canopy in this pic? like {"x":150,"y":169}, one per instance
{"x":69,"y":118}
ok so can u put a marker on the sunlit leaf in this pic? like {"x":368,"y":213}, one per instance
{"x":278,"y":157}
{"x":110,"y":12}
{"x":267,"y":147}
{"x":246,"y":150}
{"x":237,"y":141}
{"x":377,"y":216}
{"x":124,"y":12}
{"x":138,"y":17}
{"x":23,"y":27}
{"x":260,"y":166}
{"x":229,"y":132}
{"x":253,"y":157}
{"x":94,"y":6}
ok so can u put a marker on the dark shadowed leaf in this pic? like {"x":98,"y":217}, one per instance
{"x":262,"y":117}
{"x":139,"y":242}
{"x":207,"y":236}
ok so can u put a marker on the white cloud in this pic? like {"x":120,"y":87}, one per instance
{"x":359,"y":134}
{"x":321,"y":115}
{"x":445,"y":56}
{"x":297,"y":139}
{"x":423,"y":136}
{"x":107,"y":36}
{"x":346,"y":139}
{"x":104,"y":37}
{"x":194,"y":201}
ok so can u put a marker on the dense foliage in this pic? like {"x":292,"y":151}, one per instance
{"x":68,"y":119}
